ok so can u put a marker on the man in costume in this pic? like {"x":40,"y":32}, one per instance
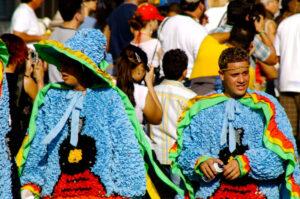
{"x":236,"y":143}
{"x":82,"y":138}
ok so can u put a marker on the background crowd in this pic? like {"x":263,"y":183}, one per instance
{"x":161,"y":54}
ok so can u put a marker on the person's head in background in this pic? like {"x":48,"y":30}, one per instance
{"x":145,"y":20}
{"x":174,"y":65}
{"x":174,"y":9}
{"x":236,"y":10}
{"x":17,"y":50}
{"x":71,"y":10}
{"x":194,"y":8}
{"x":271,"y":6}
{"x":131,"y":68}
{"x":288,"y":8}
{"x":34,"y":4}
{"x":242,"y":35}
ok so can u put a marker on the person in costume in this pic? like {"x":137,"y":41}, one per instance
{"x":236,"y":143}
{"x":9,"y":182}
{"x":81,"y":140}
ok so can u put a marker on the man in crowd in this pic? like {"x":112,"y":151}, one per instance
{"x":25,"y":23}
{"x":73,"y":15}
{"x":184,"y":31}
{"x":237,"y":143}
{"x":287,"y":44}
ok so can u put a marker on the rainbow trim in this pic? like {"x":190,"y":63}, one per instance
{"x":243,"y":164}
{"x":1,"y":76}
{"x":273,"y":138}
{"x":33,"y":188}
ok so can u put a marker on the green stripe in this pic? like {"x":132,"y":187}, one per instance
{"x":4,"y":55}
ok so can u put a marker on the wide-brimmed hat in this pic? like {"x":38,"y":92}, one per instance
{"x":87,"y":47}
{"x":149,"y":12}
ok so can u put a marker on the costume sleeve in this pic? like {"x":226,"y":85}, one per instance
{"x":197,"y":147}
{"x":264,"y":164}
{"x":129,"y":170}
{"x":32,"y":177}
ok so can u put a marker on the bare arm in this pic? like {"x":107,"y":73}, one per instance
{"x":269,"y":71}
{"x":221,"y":37}
{"x":259,"y":25}
{"x":31,"y":38}
{"x":106,"y":32}
{"x":152,"y":109}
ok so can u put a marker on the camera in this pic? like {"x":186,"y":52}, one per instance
{"x":34,"y":57}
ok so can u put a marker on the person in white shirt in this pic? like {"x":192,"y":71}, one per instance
{"x":173,"y":96}
{"x":25,"y":24}
{"x":287,"y":45}
{"x":184,"y":31}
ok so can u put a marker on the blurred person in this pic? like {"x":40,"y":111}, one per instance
{"x":288,"y":8}
{"x":184,"y":31}
{"x":25,"y":78}
{"x":215,"y":13}
{"x":72,"y":13}
{"x":117,"y":30}
{"x":206,"y":79}
{"x":132,"y":69}
{"x":287,"y":44}
{"x":271,"y":7}
{"x":226,"y":140}
{"x":25,"y":24}
{"x":264,"y":49}
{"x":143,"y":23}
{"x":173,"y":96}
{"x":89,"y":7}
{"x":9,"y":180}
{"x":174,"y":9}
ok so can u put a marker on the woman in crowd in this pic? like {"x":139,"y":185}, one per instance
{"x":132,"y":70}
{"x":24,"y":78}
{"x":143,"y":23}
{"x":81,"y":141}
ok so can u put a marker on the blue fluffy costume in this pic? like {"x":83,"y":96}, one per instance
{"x":231,"y":128}
{"x":87,"y":146}
{"x":119,"y":163}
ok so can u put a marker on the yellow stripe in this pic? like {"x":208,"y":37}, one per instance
{"x":20,"y":152}
{"x":151,"y":188}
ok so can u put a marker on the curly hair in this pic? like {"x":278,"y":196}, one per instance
{"x":231,"y":55}
{"x":16,"y":47}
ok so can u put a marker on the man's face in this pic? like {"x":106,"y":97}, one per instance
{"x":235,"y":81}
{"x":37,"y":3}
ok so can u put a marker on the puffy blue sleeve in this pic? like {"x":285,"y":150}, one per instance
{"x":34,"y":168}
{"x":264,"y":164}
{"x":199,"y":141}
{"x":129,"y":171}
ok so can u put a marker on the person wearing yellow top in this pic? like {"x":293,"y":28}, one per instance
{"x":205,"y":76}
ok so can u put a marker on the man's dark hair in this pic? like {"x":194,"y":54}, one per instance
{"x":174,"y":63}
{"x":190,"y":5}
{"x":232,"y":55}
{"x":68,"y":8}
{"x":236,"y":10}
{"x":26,"y":1}
{"x":242,"y":34}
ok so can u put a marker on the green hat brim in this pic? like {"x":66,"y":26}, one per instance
{"x":4,"y":55}
{"x":50,"y":51}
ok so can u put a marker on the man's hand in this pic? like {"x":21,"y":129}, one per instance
{"x":208,"y":168}
{"x":231,"y":171}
